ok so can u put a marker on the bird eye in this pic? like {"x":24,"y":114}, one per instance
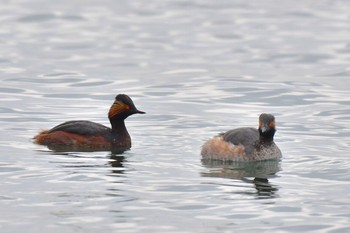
{"x":272,"y":124}
{"x":127,"y":107}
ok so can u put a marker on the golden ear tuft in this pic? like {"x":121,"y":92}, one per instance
{"x":272,"y":124}
{"x":116,"y":108}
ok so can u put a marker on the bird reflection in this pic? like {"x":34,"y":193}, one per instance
{"x":264,"y":189}
{"x":67,"y":149}
{"x":117,"y":160}
{"x":260,"y":171}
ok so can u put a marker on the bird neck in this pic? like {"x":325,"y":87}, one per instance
{"x":267,"y":137}
{"x":118,"y":127}
{"x":266,"y":141}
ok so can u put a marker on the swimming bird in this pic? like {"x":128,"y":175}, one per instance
{"x":84,"y":135}
{"x":245,"y":144}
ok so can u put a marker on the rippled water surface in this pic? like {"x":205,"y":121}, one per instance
{"x":197,"y":68}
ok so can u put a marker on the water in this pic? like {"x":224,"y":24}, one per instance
{"x":197,"y":68}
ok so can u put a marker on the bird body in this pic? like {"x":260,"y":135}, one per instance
{"x":245,"y":144}
{"x":87,"y":135}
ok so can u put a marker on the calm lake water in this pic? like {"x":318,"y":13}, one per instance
{"x":197,"y":68}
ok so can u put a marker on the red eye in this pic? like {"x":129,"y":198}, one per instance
{"x":127,"y":107}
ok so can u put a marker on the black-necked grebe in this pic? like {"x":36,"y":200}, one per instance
{"x":87,"y":135}
{"x":245,"y":144}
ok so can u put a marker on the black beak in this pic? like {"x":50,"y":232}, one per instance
{"x":138,"y":111}
{"x":264,"y":128}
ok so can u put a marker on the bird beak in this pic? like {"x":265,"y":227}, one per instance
{"x":264,"y":128}
{"x":138,"y":111}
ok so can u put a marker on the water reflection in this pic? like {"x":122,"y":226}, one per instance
{"x":116,"y":159}
{"x":116,"y":162}
{"x":261,"y":171}
{"x":60,"y":149}
{"x":264,"y":189}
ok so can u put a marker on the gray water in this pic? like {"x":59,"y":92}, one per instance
{"x":197,"y":68}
